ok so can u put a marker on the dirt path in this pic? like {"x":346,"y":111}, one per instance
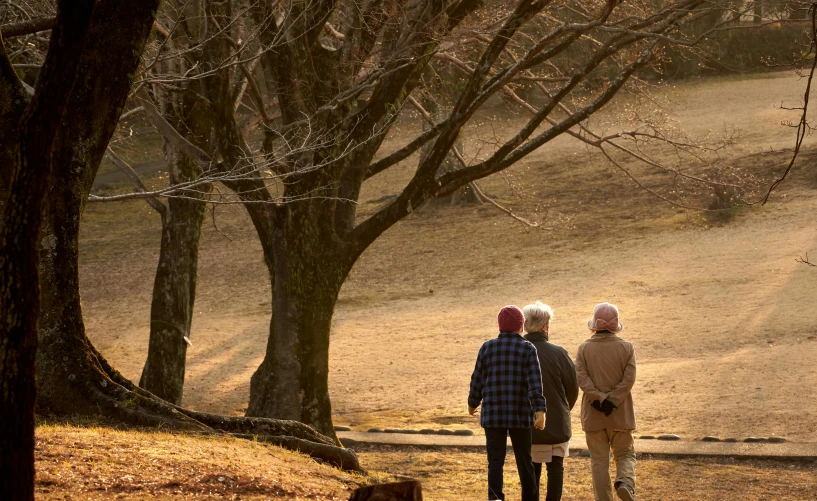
{"x":721,"y":315}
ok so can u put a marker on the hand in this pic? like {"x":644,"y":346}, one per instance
{"x":607,"y":407}
{"x":472,"y":410}
{"x":596,"y":405}
{"x":540,"y":420}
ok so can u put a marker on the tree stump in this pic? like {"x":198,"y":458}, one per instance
{"x":397,"y":491}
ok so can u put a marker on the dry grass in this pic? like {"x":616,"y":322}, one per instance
{"x":97,"y":463}
{"x":721,"y":315}
{"x":461,"y":476}
{"x":92,"y":463}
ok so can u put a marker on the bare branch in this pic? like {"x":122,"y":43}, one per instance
{"x":28,"y":27}
{"x":803,"y":126}
{"x":137,"y":182}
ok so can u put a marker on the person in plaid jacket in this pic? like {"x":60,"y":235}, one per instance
{"x":507,"y":381}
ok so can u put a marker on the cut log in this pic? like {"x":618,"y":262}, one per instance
{"x":397,"y":491}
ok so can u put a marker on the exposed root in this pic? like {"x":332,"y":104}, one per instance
{"x":108,"y":393}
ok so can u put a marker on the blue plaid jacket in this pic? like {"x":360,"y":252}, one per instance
{"x":508,"y":382}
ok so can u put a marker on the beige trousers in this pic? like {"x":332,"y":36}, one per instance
{"x":600,"y":443}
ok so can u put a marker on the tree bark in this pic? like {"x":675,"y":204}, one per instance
{"x":66,"y":358}
{"x":174,"y":288}
{"x":292,"y":382}
{"x":19,"y":256}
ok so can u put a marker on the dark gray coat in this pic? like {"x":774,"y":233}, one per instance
{"x":559,"y":386}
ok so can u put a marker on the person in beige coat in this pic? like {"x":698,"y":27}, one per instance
{"x":605,"y":366}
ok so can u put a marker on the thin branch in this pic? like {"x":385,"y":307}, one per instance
{"x":805,"y":261}
{"x":427,"y":117}
{"x":137,"y":183}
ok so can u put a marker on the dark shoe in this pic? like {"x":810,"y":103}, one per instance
{"x":625,"y":492}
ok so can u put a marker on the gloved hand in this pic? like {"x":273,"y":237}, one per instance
{"x":540,"y":420}
{"x":607,"y":407}
{"x":596,"y":405}
{"x":472,"y":410}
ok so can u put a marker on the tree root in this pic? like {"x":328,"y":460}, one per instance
{"x":102,"y":391}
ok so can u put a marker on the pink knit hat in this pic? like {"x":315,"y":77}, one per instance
{"x":510,"y":319}
{"x":605,"y":318}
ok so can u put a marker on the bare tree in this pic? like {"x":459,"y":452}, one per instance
{"x":339,"y":77}
{"x":74,"y":378}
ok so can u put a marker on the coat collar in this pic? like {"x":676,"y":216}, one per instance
{"x":604,"y":336}
{"x":536,"y":336}
{"x":509,"y":334}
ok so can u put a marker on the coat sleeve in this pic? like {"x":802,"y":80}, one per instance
{"x":623,"y":388}
{"x":569,"y":380}
{"x":477,"y":381}
{"x":534,"y":381}
{"x":585,"y":383}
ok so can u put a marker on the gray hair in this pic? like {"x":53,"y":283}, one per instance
{"x":537,"y":316}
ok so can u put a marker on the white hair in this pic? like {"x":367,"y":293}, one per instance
{"x":537,"y":316}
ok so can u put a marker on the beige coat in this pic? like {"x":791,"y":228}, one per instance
{"x":605,"y":366}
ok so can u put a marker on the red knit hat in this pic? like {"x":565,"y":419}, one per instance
{"x":510,"y":319}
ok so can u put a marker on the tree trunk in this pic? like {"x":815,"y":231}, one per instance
{"x":397,"y":491}
{"x":757,"y":18}
{"x":293,"y":380}
{"x":174,"y":289}
{"x":19,"y":259}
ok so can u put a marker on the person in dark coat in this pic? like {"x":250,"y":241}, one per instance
{"x":561,"y":390}
{"x":507,"y":383}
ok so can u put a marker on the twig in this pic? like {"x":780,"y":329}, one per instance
{"x":805,"y":261}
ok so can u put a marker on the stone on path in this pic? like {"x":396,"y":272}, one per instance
{"x":464,"y":433}
{"x":397,"y":491}
{"x":445,"y":431}
{"x":427,"y":431}
{"x":753,"y":440}
{"x":669,"y":437}
{"x":776,"y":440}
{"x":392,"y":430}
{"x":342,"y":428}
{"x":710,"y":439}
{"x":730,"y":440}
{"x":375,"y":430}
{"x":646,"y":437}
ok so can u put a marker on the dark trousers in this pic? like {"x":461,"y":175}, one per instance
{"x":556,"y":477}
{"x":495,"y":443}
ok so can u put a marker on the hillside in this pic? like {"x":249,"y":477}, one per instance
{"x":80,"y":462}
{"x":719,"y":310}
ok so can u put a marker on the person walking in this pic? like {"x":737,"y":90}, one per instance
{"x":507,"y":382}
{"x":561,"y":390}
{"x":605,"y":366}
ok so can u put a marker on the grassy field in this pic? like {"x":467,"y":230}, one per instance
{"x":454,"y":476}
{"x":721,"y":314}
{"x":96,"y":463}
